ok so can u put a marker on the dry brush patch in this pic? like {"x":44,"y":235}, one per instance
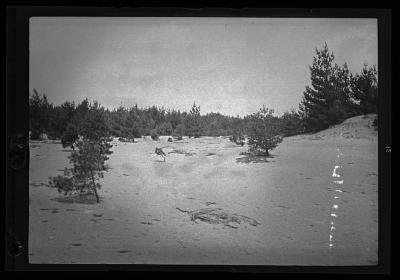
{"x":218,"y":216}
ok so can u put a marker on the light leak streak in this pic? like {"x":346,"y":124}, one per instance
{"x":335,"y":206}
{"x":334,"y":171}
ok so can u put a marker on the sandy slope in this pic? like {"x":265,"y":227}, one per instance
{"x":294,"y":197}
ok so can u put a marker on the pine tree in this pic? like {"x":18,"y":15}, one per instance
{"x":263,"y":132}
{"x":192,"y":122}
{"x":342,"y":107}
{"x":318,"y":99}
{"x":88,"y":160}
{"x":364,"y":90}
{"x":40,"y":113}
{"x":290,"y":123}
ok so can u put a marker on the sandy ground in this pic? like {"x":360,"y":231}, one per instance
{"x":316,"y":202}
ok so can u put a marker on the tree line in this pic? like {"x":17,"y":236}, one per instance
{"x":334,"y":95}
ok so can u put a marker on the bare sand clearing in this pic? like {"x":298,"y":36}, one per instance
{"x":315,"y":202}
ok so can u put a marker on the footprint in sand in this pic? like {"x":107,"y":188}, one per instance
{"x":123,"y":251}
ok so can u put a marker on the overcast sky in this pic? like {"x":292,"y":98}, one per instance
{"x":227,"y":65}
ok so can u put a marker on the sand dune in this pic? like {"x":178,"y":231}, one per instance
{"x":304,"y":214}
{"x":360,"y":127}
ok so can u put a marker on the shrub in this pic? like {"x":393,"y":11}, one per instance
{"x":122,"y":139}
{"x":154,"y":135}
{"x":237,"y":138}
{"x":263,"y":132}
{"x":69,"y":136}
{"x":88,"y":166}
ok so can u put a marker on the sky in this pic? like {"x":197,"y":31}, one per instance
{"x":227,"y":65}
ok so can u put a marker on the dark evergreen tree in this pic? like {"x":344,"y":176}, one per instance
{"x":193,"y":122}
{"x":290,"y":123}
{"x":364,"y":90}
{"x":342,"y":106}
{"x":318,"y":99}
{"x":179,"y":131}
{"x":61,"y":117}
{"x":40,"y":113}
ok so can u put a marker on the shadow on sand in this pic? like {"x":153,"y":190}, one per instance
{"x":253,"y":158}
{"x":88,"y":198}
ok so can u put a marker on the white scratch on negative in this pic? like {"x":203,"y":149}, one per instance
{"x":334,"y":171}
{"x":334,"y":215}
{"x":338,"y":191}
{"x":338,"y":182}
{"x":335,"y":206}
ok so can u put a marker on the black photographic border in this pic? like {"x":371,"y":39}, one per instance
{"x":17,"y":122}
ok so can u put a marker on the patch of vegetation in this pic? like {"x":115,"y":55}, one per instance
{"x":126,"y":140}
{"x":89,"y":157}
{"x":218,"y":216}
{"x":154,"y":135}
{"x":336,"y":94}
{"x":238,"y":138}
{"x":264,"y":132}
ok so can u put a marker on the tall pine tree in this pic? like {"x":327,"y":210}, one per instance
{"x":318,"y":99}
